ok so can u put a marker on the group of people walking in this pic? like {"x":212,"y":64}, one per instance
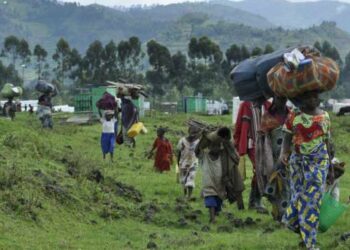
{"x":110,"y":122}
{"x":290,"y":151}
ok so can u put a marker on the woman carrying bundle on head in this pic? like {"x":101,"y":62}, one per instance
{"x":307,"y":132}
{"x":305,"y":149}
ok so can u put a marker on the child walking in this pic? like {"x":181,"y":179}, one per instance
{"x":108,"y":133}
{"x":164,"y":154}
{"x":306,"y":145}
{"x":187,"y":161}
{"x":213,"y":188}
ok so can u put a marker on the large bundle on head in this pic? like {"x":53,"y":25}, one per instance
{"x":107,"y":102}
{"x":312,"y":73}
{"x":129,"y":89}
{"x":46,"y":88}
{"x":10,"y":91}
{"x":249,"y":77}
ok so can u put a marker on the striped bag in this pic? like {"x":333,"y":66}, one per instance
{"x":321,"y":74}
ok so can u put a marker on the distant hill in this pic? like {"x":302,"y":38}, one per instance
{"x":45,"y":21}
{"x":296,"y":14}
{"x":227,"y":33}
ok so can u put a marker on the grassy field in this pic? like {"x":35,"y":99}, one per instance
{"x":57,"y":193}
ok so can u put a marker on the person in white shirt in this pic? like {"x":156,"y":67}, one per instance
{"x":108,"y":133}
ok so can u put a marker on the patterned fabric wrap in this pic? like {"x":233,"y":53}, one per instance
{"x":308,"y":131}
{"x":322,"y":75}
{"x":307,"y":182}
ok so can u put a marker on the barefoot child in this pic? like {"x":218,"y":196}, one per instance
{"x":221,"y":178}
{"x":164,"y":154}
{"x":213,"y":188}
{"x":188,"y":161}
{"x":108,"y":133}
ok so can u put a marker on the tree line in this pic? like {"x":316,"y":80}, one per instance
{"x":204,"y":68}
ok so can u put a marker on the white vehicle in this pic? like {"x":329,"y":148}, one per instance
{"x":217,"y":108}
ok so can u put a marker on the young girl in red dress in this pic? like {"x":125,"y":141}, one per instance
{"x":164,"y":154}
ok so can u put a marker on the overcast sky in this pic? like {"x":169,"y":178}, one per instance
{"x":133,"y":2}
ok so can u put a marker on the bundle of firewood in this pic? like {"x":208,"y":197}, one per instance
{"x":201,"y":126}
{"x":129,"y":89}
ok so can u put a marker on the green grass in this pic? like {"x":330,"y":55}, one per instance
{"x":48,"y":202}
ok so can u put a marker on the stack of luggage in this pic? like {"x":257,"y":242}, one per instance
{"x":287,"y":72}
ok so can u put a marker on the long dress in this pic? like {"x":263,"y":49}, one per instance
{"x":277,"y":182}
{"x":245,"y":140}
{"x":309,"y":163}
{"x":163,"y":155}
{"x":188,"y":162}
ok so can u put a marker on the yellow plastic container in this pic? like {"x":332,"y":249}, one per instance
{"x":135,"y":129}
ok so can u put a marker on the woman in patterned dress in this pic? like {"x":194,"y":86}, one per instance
{"x":306,"y":144}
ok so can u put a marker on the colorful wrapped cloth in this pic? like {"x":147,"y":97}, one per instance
{"x":309,"y":165}
{"x":307,"y":182}
{"x":321,"y":74}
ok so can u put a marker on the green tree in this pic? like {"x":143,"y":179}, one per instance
{"x":11,"y":48}
{"x":161,"y":62}
{"x":244,"y":53}
{"x":233,"y":54}
{"x":40,"y":55}
{"x":8,"y":74}
{"x":136,"y":52}
{"x":62,"y":59}
{"x":130,"y":56}
{"x":110,"y":61}
{"x":326,"y":49}
{"x":193,"y":49}
{"x":268,"y":49}
{"x":76,"y":70}
{"x":347,"y":63}
{"x":93,"y":63}
{"x":179,"y":71}
{"x":257,"y":51}
{"x":24,"y":51}
{"x":24,"y":54}
{"x":318,"y":46}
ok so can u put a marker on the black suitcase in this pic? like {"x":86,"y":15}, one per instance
{"x":244,"y":80}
